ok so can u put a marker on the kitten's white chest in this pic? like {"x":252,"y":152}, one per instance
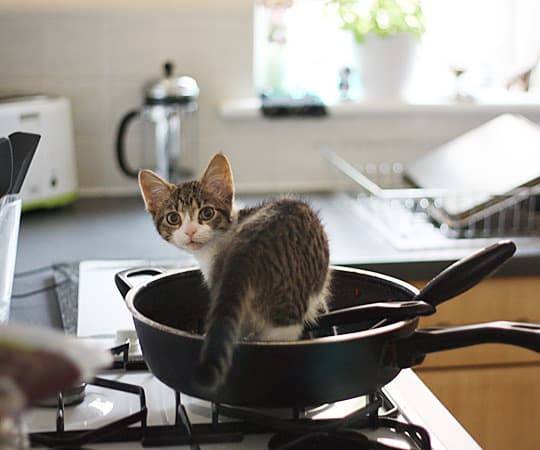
{"x":206,"y":257}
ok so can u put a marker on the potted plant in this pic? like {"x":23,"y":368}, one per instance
{"x":386,"y":34}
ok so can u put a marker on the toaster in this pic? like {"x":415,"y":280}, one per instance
{"x":52,"y":177}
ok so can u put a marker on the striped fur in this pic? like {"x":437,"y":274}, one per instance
{"x":267,"y":267}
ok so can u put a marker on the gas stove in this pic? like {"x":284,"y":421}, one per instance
{"x":128,"y":408}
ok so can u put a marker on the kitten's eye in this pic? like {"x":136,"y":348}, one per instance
{"x":173,"y":218}
{"x":206,"y":213}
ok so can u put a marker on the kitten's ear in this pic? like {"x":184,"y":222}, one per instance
{"x":218,"y":177}
{"x":154,"y":189}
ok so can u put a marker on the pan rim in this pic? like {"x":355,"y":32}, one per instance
{"x":136,"y":314}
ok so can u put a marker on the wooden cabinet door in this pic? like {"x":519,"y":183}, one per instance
{"x":498,"y":406}
{"x":492,"y":390}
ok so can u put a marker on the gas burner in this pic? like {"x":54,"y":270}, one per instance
{"x":353,"y":438}
{"x":70,"y":397}
{"x":100,"y":409}
{"x":342,"y":439}
{"x":346,"y":432}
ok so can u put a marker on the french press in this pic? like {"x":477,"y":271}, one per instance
{"x":169,"y":127}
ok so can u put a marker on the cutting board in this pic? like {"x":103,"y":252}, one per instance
{"x":101,"y":309}
{"x":493,"y":159}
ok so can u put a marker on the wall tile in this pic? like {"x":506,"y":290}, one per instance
{"x":133,"y":47}
{"x":21,"y":44}
{"x":74,"y":44}
{"x":88,"y":97}
{"x":20,"y":83}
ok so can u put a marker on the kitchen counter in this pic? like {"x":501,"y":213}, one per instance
{"x":119,"y":228}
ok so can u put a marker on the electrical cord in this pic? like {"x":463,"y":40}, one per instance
{"x":40,"y":290}
{"x":40,"y":269}
{"x":59,"y":267}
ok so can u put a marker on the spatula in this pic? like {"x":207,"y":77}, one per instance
{"x":6,"y":166}
{"x":24,"y":146}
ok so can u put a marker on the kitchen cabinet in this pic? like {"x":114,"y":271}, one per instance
{"x":492,"y":390}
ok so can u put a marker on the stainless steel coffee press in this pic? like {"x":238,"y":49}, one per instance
{"x":170,"y":130}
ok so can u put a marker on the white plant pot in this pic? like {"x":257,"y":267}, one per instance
{"x":385,"y":65}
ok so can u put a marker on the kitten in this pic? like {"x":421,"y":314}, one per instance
{"x":267,"y":267}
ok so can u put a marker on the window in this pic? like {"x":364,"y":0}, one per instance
{"x":300,"y":48}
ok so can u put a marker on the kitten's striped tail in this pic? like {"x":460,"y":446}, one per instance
{"x":223,"y":330}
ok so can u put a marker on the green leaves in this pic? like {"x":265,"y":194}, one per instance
{"x":380,"y":17}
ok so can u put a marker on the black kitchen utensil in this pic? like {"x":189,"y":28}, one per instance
{"x":467,"y":272}
{"x":6,"y":166}
{"x":452,"y":281}
{"x":24,"y":146}
{"x":391,"y":310}
{"x":169,"y":310}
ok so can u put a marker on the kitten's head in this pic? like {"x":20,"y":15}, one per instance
{"x":192,"y":214}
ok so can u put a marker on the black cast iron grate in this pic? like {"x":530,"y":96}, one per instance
{"x":294,"y":433}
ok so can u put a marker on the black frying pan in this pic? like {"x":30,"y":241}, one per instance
{"x":168,"y":313}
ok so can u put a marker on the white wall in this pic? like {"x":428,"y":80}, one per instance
{"x":101,"y":53}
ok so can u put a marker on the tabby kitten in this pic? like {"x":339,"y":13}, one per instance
{"x":267,"y":267}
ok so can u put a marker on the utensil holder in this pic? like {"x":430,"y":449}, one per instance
{"x":10,"y":215}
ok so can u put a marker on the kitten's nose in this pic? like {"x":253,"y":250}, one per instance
{"x":190,"y":231}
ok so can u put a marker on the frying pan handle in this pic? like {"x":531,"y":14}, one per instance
{"x":412,"y":350}
{"x":124,"y":285}
{"x":466,"y":273}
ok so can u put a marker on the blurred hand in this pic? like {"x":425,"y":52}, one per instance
{"x":37,"y":374}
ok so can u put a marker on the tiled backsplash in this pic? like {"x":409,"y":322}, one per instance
{"x":99,"y":54}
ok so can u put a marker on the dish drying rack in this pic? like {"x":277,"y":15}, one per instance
{"x":417,"y":218}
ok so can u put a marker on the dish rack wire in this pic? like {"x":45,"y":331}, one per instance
{"x":383,"y":192}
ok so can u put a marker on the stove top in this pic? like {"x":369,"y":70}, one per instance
{"x":145,"y":413}
{"x":159,"y":417}
{"x":157,"y":420}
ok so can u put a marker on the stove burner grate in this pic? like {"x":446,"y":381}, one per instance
{"x":328,"y":434}
{"x":63,"y":438}
{"x":295,"y":433}
{"x":346,"y":438}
